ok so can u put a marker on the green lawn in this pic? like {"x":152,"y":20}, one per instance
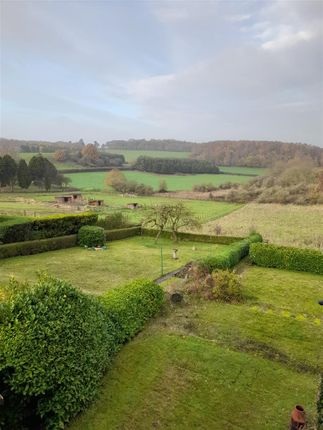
{"x":98,"y":271}
{"x":216,"y":366}
{"x":132,"y":155}
{"x":96,"y":180}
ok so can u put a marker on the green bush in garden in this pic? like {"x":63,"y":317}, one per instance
{"x":287,"y":257}
{"x":56,"y":342}
{"x":132,"y":305}
{"x":91,"y":236}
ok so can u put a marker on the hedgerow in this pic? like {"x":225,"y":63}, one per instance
{"x":286,"y":257}
{"x":224,"y":240}
{"x":56,"y":342}
{"x":44,"y":227}
{"x":91,"y":235}
{"x":230,"y":256}
{"x":122,"y":233}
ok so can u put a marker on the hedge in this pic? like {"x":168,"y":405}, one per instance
{"x":44,"y":227}
{"x":37,"y":246}
{"x":91,"y":235}
{"x":224,"y":240}
{"x":132,"y":305}
{"x":231,"y":256}
{"x":122,"y":233}
{"x":286,"y":257}
{"x":56,"y":342}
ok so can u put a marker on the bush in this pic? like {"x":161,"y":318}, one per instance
{"x":37,"y":246}
{"x":44,"y":227}
{"x":285,"y":257}
{"x":56,"y":344}
{"x":131,"y":306}
{"x":227,"y":286}
{"x":231,"y":256}
{"x":114,"y":221}
{"x":91,"y":235}
{"x":122,"y":233}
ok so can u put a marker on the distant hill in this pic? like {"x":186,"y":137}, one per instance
{"x":252,"y":153}
{"x":151,"y":145}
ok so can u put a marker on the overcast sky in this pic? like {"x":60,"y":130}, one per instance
{"x":194,"y":70}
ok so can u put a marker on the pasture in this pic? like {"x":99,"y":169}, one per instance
{"x":132,"y":155}
{"x":96,"y":180}
{"x":281,"y":224}
{"x":210,"y":365}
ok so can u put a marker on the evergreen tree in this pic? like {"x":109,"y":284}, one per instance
{"x":23,"y":175}
{"x":8,"y":171}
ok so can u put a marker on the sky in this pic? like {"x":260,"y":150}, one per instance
{"x":193,"y":70}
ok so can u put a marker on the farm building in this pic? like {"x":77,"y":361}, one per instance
{"x":75,"y":198}
{"x":96,"y":203}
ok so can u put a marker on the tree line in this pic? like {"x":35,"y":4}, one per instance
{"x":256,"y":153}
{"x":39,"y":171}
{"x":175,"y":165}
{"x":151,"y":145}
{"x":89,"y":155}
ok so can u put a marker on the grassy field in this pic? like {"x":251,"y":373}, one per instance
{"x":98,"y":271}
{"x":131,"y":156}
{"x":216,"y":366}
{"x":282,"y":224}
{"x":43,"y":203}
{"x":96,"y":180}
{"x":59,"y":166}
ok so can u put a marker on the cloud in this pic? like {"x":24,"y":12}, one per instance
{"x":287,"y":39}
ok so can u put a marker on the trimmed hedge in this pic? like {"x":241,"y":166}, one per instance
{"x":223,"y":240}
{"x":122,"y":233}
{"x":230,"y":256}
{"x":91,"y":235}
{"x":286,"y":257}
{"x":56,"y":343}
{"x":44,"y":227}
{"x":132,"y":305}
{"x":37,"y":246}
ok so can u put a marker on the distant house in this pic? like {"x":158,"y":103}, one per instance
{"x":69,"y":199}
{"x":96,"y":203}
{"x":133,"y":205}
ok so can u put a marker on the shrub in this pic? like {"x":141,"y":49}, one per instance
{"x":44,"y":227}
{"x":122,"y":233}
{"x":114,"y":221}
{"x":91,"y":235}
{"x":56,"y":344}
{"x":231,"y":256}
{"x":285,"y":257}
{"x":132,"y":305}
{"x":37,"y":246}
{"x":227,"y":286}
{"x":224,"y":240}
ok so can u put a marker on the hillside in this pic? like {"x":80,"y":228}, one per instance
{"x":252,"y":153}
{"x":151,"y":145}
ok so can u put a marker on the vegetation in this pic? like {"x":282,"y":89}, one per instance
{"x":117,"y":180}
{"x":297,"y":181}
{"x":56,"y":341}
{"x":174,"y":165}
{"x":132,"y":155}
{"x":43,"y":227}
{"x":114,"y":221}
{"x":172,"y":217}
{"x":300,"y":226}
{"x":96,"y":180}
{"x":256,"y":153}
{"x":217,"y":365}
{"x":91,"y":236}
{"x":98,"y":271}
{"x":151,"y":145}
{"x":283,"y":257}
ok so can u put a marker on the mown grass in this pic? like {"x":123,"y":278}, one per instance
{"x":96,"y":180}
{"x":217,"y":366}
{"x":98,"y":271}
{"x":281,"y":224}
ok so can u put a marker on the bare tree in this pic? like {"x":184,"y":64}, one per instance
{"x":181,"y":216}
{"x":157,"y":217}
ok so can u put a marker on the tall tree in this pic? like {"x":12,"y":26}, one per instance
{"x":23,"y":175}
{"x":115,"y":178}
{"x":8,"y":171}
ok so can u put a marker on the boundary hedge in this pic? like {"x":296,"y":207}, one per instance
{"x":230,"y":256}
{"x":37,"y":246}
{"x":122,"y":233}
{"x":287,"y":257}
{"x":45,"y":227}
{"x":222,"y":240}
